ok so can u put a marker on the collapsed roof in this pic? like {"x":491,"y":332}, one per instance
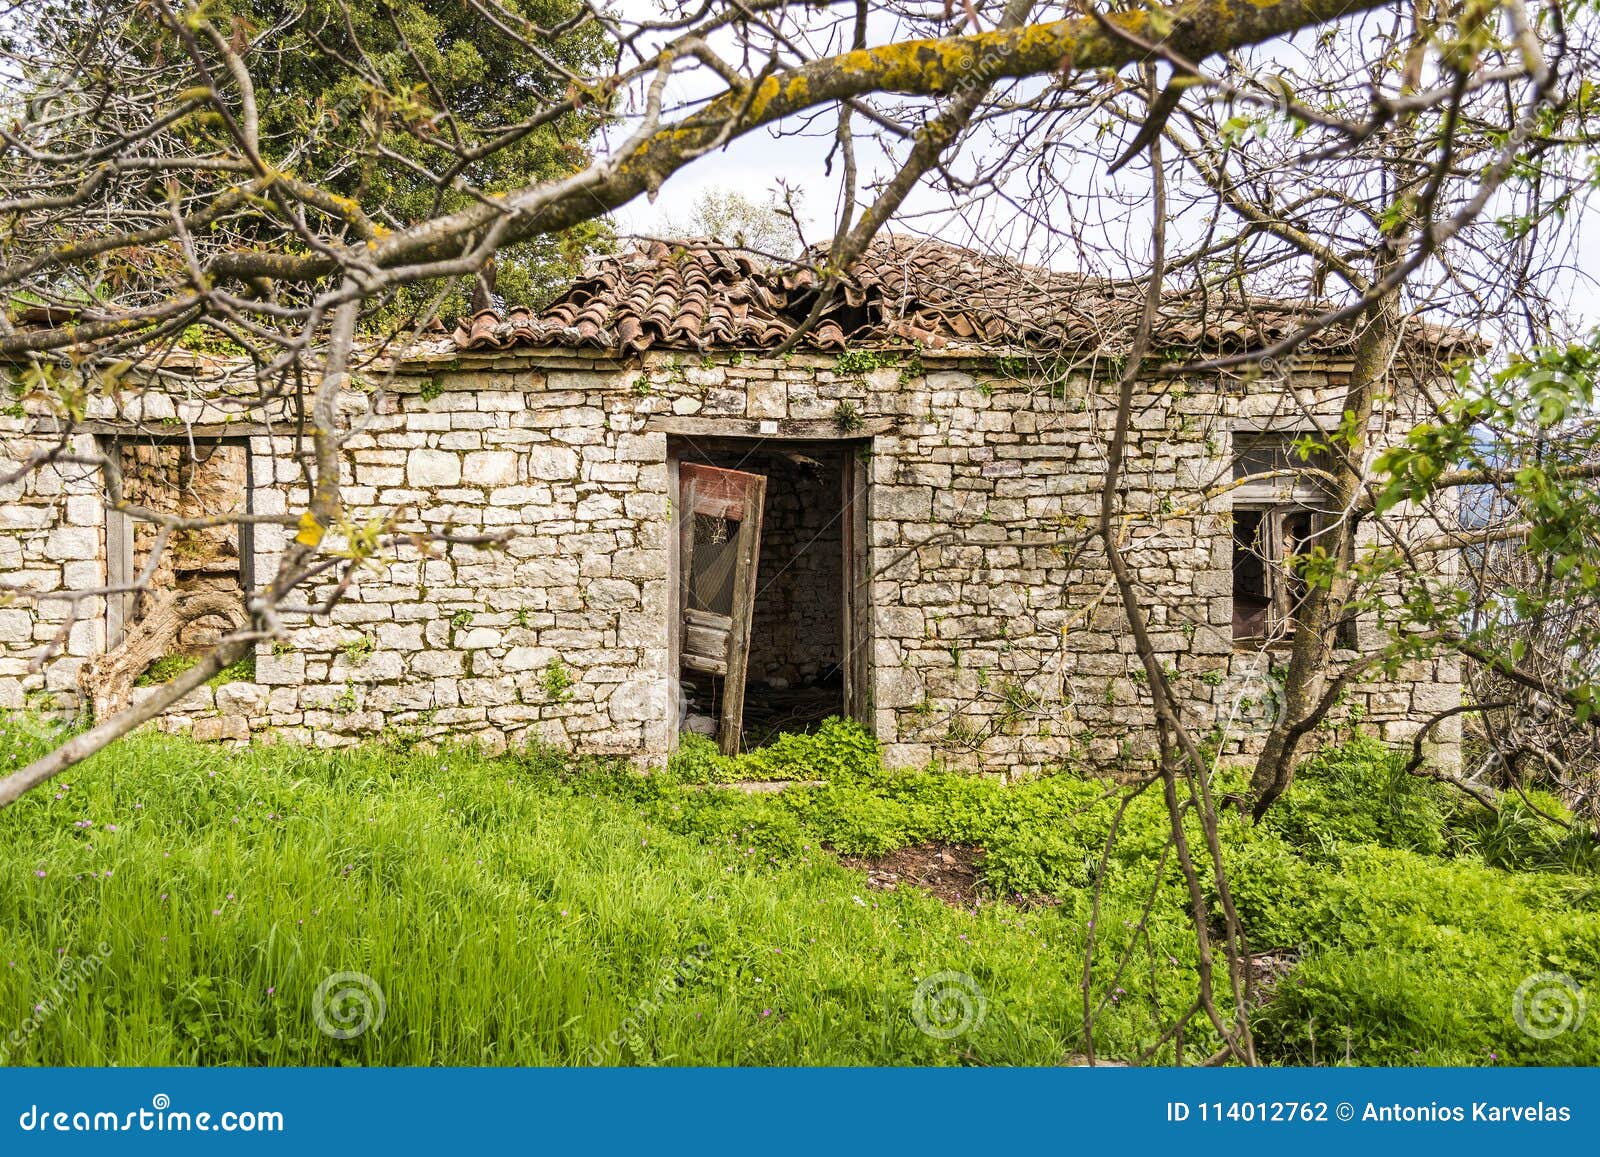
{"x":697,"y":295}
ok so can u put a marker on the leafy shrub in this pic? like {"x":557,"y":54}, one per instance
{"x":700,"y":760}
{"x":1418,"y":959}
{"x":839,"y":749}
{"x":1360,"y":793}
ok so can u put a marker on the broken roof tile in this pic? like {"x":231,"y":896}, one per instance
{"x":699,"y":295}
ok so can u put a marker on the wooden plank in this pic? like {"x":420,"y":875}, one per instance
{"x":695,"y":617}
{"x":706,"y":666}
{"x":1273,"y":529}
{"x":175,"y":433}
{"x":719,"y":493}
{"x":807,"y":429}
{"x":706,"y":642}
{"x":744,"y":602}
{"x":858,"y":586}
{"x":118,"y":572}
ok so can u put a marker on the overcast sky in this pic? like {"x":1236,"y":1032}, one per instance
{"x":798,"y":154}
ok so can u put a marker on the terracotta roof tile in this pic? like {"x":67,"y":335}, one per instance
{"x":695,"y":295}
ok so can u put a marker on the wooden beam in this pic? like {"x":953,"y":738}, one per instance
{"x":797,"y":429}
{"x":170,"y":431}
{"x":744,"y":603}
{"x":857,"y":590}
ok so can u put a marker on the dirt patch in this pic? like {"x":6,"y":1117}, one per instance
{"x":949,"y":871}
{"x":1268,"y":969}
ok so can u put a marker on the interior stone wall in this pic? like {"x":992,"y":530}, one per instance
{"x":190,"y":479}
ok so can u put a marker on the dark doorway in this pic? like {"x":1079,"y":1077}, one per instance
{"x":799,"y":645}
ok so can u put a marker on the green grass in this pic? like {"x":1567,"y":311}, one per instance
{"x":508,"y":918}
{"x":169,"y":667}
{"x":523,"y":910}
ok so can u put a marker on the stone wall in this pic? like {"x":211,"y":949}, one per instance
{"x":996,"y":640}
{"x":52,"y":538}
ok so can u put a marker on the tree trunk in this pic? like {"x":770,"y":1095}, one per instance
{"x":1301,"y":707}
{"x":108,"y":679}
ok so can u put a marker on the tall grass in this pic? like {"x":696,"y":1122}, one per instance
{"x":529,"y":910}
{"x":507,"y":921}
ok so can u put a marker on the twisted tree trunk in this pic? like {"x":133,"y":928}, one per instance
{"x":108,"y":679}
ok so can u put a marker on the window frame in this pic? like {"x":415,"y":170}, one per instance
{"x":1275,"y":500}
{"x":119,"y":570}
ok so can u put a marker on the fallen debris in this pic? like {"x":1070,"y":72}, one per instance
{"x":949,"y":871}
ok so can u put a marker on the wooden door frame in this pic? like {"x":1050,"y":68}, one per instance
{"x":855,"y":569}
{"x":676,"y":709}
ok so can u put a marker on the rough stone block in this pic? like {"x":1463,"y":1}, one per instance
{"x":433,"y":468}
{"x":552,"y":463}
{"x":491,"y":468}
{"x":242,"y":698}
{"x":281,"y":669}
{"x":217,"y":728}
{"x":70,"y":542}
{"x":16,"y":626}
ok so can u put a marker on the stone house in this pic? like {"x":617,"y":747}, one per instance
{"x":893,"y":521}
